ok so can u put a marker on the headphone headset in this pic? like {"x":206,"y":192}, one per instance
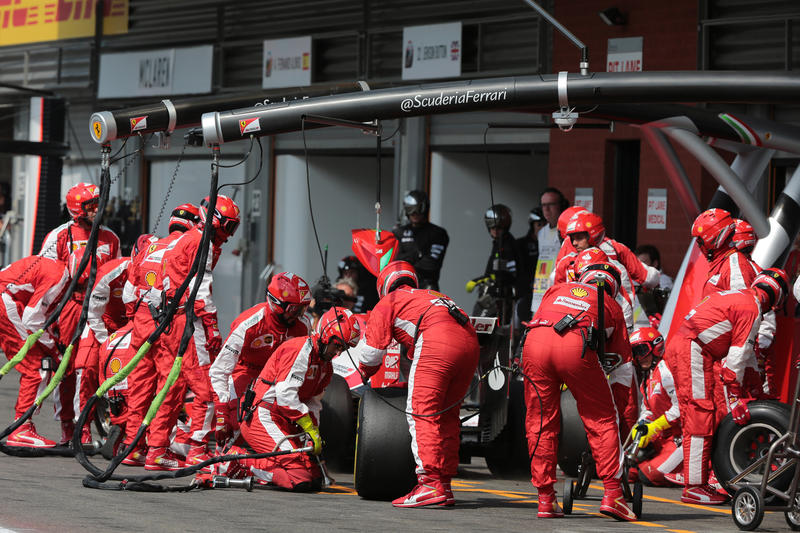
{"x":563,"y":202}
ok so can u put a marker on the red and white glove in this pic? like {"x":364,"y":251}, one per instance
{"x":213,"y":338}
{"x":739,"y":410}
{"x":224,"y":426}
{"x":367,"y":371}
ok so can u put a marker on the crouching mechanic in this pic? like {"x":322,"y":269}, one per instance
{"x":445,"y":353}
{"x":562,"y":347}
{"x":288,"y":402}
{"x":722,"y":327}
{"x":254,"y":336}
{"x":659,"y":421}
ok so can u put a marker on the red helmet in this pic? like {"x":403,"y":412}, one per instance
{"x":288,"y":296}
{"x":744,"y":237}
{"x":81,"y":196}
{"x":142,"y":242}
{"x":73,"y":262}
{"x":646,"y":341}
{"x":563,"y":218}
{"x":184,"y":217}
{"x":775,"y":283}
{"x":713,"y":229}
{"x":590,"y":223}
{"x":601,"y":271}
{"x":590,"y":256}
{"x":389,"y":278}
{"x":226,"y":214}
{"x":339,"y":325}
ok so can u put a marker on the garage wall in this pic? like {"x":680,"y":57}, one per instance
{"x":343,"y":190}
{"x":460,"y":197}
{"x":192,"y":185}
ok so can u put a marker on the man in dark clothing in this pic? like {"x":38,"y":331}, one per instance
{"x":507,"y":260}
{"x":421,"y":243}
{"x":529,"y":245}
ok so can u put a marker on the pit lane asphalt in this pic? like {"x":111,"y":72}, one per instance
{"x":45,"y":494}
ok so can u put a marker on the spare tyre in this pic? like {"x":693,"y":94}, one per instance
{"x":736,"y":447}
{"x":572,"y":442}
{"x":384,"y":467}
{"x":337,"y":423}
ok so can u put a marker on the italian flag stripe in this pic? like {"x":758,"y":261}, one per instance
{"x":386,"y":257}
{"x":746,"y":134}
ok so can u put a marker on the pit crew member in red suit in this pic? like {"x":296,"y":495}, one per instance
{"x":744,"y":240}
{"x":30,"y":289}
{"x":289,"y":400}
{"x":139,"y":294}
{"x":561,"y":348}
{"x":585,"y":229}
{"x":106,"y":314}
{"x":60,"y":244}
{"x":173,"y":268}
{"x":722,"y":327}
{"x":254,"y":336}
{"x":659,"y":423}
{"x":445,"y":356}
{"x":728,"y":268}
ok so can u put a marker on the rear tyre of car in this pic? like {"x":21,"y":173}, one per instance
{"x":572,"y":441}
{"x":507,"y":455}
{"x":337,"y":423}
{"x":384,"y":467}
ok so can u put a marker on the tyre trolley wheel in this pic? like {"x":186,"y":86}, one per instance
{"x":747,"y":508}
{"x":569,"y":492}
{"x":585,"y":474}
{"x":793,"y":516}
{"x":638,"y":493}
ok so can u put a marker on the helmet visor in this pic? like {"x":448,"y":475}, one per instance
{"x":229,"y":225}
{"x":412,"y":209}
{"x":641,"y":350}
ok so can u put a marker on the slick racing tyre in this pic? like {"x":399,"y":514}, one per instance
{"x":384,"y":467}
{"x":736,"y":447}
{"x":507,"y":455}
{"x":337,"y":423}
{"x":572,"y":442}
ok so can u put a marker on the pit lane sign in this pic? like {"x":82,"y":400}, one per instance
{"x":30,"y":21}
{"x":625,"y":55}
{"x":432,"y":51}
{"x":584,"y":197}
{"x":286,"y":63}
{"x":656,"y":208}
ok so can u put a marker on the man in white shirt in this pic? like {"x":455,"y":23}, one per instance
{"x":553,"y":203}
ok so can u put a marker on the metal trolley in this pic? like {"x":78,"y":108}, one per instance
{"x":779,"y":465}
{"x":575,"y":489}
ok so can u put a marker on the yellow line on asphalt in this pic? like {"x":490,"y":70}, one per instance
{"x":647,"y":524}
{"x":505,"y":493}
{"x":678,"y":502}
{"x":459,"y":482}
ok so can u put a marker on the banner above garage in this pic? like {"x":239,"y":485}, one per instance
{"x":432,"y":51}
{"x":31,"y":21}
{"x":164,"y":72}
{"x":286,"y":63}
